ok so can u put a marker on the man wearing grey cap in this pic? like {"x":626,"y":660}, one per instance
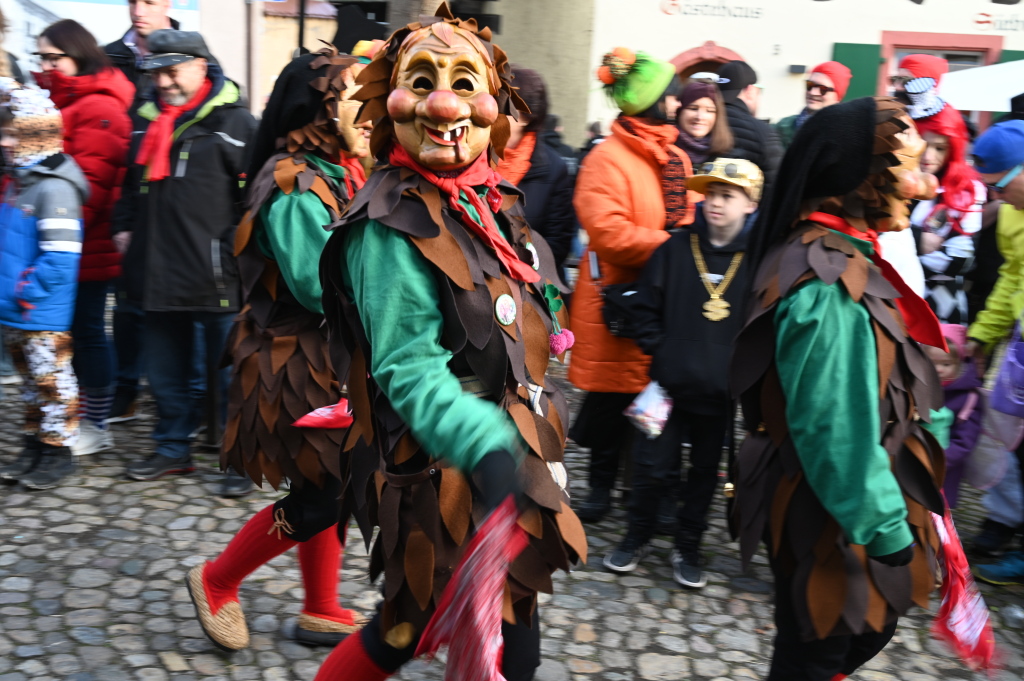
{"x":756,"y":140}
{"x":176,"y":224}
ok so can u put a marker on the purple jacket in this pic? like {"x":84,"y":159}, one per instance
{"x":964,"y":432}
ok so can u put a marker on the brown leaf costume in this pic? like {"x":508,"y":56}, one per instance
{"x":281,"y":368}
{"x":836,"y":589}
{"x":423,"y":507}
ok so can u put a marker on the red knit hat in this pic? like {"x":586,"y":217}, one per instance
{"x":925,"y":66}
{"x":839,"y":75}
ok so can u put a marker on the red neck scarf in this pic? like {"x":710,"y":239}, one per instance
{"x":516,"y":163}
{"x":922,"y":324}
{"x":355,"y":174}
{"x":476,"y":174}
{"x":155,"y":151}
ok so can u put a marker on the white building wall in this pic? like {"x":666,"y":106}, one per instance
{"x":773,"y":34}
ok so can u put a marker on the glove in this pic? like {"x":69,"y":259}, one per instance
{"x":494,"y":479}
{"x":897,"y":559}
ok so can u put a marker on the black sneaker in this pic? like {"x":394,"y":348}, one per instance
{"x":686,"y":569}
{"x":993,"y":538}
{"x":627,"y":556}
{"x":596,"y":506}
{"x":234,"y":485}
{"x":55,"y":464}
{"x":157,"y":466}
{"x":25,"y":463}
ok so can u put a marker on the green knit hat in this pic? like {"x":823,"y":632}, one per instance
{"x":634,"y":81}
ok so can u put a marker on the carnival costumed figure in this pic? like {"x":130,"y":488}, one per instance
{"x":839,"y":472}
{"x":304,"y":170}
{"x":444,"y":310}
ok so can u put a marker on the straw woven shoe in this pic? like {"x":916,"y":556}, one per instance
{"x":318,"y":631}
{"x":227,"y":629}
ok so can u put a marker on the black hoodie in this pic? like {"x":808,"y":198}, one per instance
{"x":691,"y":353}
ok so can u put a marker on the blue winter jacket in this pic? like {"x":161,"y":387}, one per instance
{"x":41,"y":244}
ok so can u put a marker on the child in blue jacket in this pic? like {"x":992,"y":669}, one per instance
{"x":40,"y":245}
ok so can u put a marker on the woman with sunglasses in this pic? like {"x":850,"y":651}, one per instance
{"x":948,"y":222}
{"x":93,"y":99}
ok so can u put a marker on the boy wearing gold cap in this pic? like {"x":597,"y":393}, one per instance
{"x":688,"y":310}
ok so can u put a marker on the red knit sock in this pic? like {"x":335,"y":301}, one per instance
{"x":350,"y":662}
{"x":320,"y":561}
{"x":255,"y":544}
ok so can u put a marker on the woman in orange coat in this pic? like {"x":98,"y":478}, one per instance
{"x":629,"y":192}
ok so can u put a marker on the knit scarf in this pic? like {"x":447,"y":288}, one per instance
{"x":476,"y":174}
{"x":922,"y":324}
{"x":155,"y":151}
{"x":697,"y":149}
{"x":516,"y":163}
{"x":659,"y":142}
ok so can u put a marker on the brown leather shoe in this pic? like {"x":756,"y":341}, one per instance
{"x":227,"y":629}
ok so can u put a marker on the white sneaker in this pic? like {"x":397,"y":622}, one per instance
{"x":92,"y":440}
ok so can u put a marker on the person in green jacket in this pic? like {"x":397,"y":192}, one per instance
{"x":999,"y":158}
{"x":837,"y":473}
{"x":444,"y":309}
{"x":826,"y":86}
{"x":304,"y":169}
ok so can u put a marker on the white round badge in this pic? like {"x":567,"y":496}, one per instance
{"x":505,"y":309}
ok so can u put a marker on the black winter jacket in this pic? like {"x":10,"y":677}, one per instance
{"x":181,"y":256}
{"x":755,"y":140}
{"x":548,"y":188}
{"x":690,"y":353}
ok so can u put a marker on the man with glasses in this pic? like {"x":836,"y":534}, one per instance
{"x":999,"y":157}
{"x":826,"y":86}
{"x":755,"y":139}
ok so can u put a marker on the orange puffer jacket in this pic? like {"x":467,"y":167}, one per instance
{"x":619,"y":202}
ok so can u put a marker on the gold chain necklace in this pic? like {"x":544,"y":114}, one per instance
{"x":715,"y":309}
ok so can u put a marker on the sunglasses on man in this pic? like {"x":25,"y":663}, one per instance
{"x":823,"y":89}
{"x":1000,"y":186}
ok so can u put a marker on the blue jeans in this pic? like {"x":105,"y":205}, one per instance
{"x":170,"y":339}
{"x":94,"y":354}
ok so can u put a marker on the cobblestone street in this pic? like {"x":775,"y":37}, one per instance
{"x":91,"y":589}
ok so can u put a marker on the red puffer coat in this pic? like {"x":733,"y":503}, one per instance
{"x":97,"y":131}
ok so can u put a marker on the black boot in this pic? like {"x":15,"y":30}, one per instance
{"x":25,"y":463}
{"x":596,"y":505}
{"x":55,"y":464}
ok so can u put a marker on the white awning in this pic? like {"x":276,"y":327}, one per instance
{"x":986,"y":88}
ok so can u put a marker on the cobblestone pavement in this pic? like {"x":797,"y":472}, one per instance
{"x":91,"y":588}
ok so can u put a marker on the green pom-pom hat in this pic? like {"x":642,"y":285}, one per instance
{"x":635,"y":87}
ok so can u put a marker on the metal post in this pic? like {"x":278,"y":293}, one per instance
{"x":302,"y":24}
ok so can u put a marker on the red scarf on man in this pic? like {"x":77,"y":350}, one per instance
{"x":155,"y":150}
{"x":922,"y":324}
{"x":477,"y":174}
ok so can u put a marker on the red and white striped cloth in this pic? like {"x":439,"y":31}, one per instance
{"x":468,"y":617}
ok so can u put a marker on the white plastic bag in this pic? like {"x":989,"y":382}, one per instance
{"x":650,"y":410}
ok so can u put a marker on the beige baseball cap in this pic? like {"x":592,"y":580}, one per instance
{"x":736,"y":171}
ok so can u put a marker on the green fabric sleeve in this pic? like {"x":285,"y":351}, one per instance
{"x":941,"y":426}
{"x":291,"y":232}
{"x":397,"y":299}
{"x":828,"y":368}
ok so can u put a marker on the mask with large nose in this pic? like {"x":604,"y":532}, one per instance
{"x":911,"y":181}
{"x":443,"y":103}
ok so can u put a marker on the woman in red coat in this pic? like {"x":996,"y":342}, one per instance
{"x":93,"y":98}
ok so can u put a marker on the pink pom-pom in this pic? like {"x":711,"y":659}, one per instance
{"x":562,"y":341}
